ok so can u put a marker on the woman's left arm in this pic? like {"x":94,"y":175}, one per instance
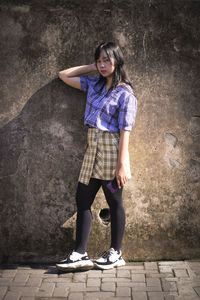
{"x":120,"y":172}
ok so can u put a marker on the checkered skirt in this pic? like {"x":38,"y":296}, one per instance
{"x":100,"y":159}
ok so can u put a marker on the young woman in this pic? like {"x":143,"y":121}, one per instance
{"x":109,"y":115}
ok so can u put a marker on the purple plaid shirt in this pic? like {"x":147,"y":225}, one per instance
{"x":108,"y":111}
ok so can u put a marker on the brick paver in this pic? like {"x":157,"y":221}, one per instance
{"x":139,"y":296}
{"x":164,"y":280}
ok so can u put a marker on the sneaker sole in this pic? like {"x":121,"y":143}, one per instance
{"x":118,"y":263}
{"x":79,"y":265}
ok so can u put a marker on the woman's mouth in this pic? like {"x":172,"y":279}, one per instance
{"x":103,"y":71}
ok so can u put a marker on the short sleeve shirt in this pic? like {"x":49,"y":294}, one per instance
{"x":108,"y":110}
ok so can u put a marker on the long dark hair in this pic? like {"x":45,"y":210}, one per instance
{"x":113,"y":50}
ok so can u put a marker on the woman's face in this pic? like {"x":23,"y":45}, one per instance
{"x":105,"y":65}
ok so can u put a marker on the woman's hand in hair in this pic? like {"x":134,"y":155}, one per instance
{"x":71,"y":76}
{"x":94,"y":66}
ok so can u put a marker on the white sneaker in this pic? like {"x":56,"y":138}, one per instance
{"x":74,"y":261}
{"x":109,"y":260}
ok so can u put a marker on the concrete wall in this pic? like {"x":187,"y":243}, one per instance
{"x":42,"y":136}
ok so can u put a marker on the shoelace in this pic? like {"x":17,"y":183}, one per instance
{"x":67,"y":256}
{"x":107,"y":253}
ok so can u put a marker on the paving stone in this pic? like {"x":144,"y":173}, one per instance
{"x":147,"y":288}
{"x":46,"y":290}
{"x":154,"y":288}
{"x":170,"y":296}
{"x":21,"y":279}
{"x":95,"y":274}
{"x":37,"y":271}
{"x":153,"y":281}
{"x":3,"y":290}
{"x":49,"y":298}
{"x":27,"y":298}
{"x":108,"y":287}
{"x":197,"y":290}
{"x":77,"y":286}
{"x":168,"y":286}
{"x":94,"y":282}
{"x":132,"y":284}
{"x":23,"y":272}
{"x":79,"y":278}
{"x":123,"y":291}
{"x":110,"y":279}
{"x":61,"y":285}
{"x":126,"y":267}
{"x":123,"y":273}
{"x":111,"y":271}
{"x":5,"y":281}
{"x":99,"y":295}
{"x":138,"y":277}
{"x":34,"y":281}
{"x":150,"y":265}
{"x":49,"y":275}
{"x":108,"y":275}
{"x":139,"y":295}
{"x":57,"y":280}
{"x":119,"y":298}
{"x":90,"y":298}
{"x":24,"y":268}
{"x":75,"y":296}
{"x":9,"y":273}
{"x":137,"y":267}
{"x":122,"y":279}
{"x":180,"y":267}
{"x":65,"y":275}
{"x":187,"y":291}
{"x":171,"y":263}
{"x":12,"y":296}
{"x":144,"y":271}
{"x":156,"y":296}
{"x":195,"y":270}
{"x":195,"y":263}
{"x":92,"y":289}
{"x":35,"y":276}
{"x":24,"y":290}
{"x":160,"y":275}
{"x":173,"y":279}
{"x":166,"y":269}
{"x":181,"y":273}
{"x":61,"y":292}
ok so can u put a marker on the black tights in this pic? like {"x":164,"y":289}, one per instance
{"x":84,"y":198}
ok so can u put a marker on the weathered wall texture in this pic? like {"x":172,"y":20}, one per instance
{"x":42,"y":136}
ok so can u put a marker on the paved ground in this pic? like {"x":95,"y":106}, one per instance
{"x":172,"y":280}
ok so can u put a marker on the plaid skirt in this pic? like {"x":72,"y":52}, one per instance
{"x":100,"y":159}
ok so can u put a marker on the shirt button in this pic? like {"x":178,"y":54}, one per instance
{"x":96,"y":136}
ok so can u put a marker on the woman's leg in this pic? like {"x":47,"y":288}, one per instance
{"x":117,"y":212}
{"x":84,"y":198}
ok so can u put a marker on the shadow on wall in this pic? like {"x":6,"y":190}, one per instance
{"x":40,"y":158}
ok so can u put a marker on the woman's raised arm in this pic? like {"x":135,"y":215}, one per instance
{"x":71,"y":76}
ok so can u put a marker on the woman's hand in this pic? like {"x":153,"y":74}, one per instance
{"x":71,"y":76}
{"x":120,"y":173}
{"x":94,"y":67}
{"x":121,"y":176}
